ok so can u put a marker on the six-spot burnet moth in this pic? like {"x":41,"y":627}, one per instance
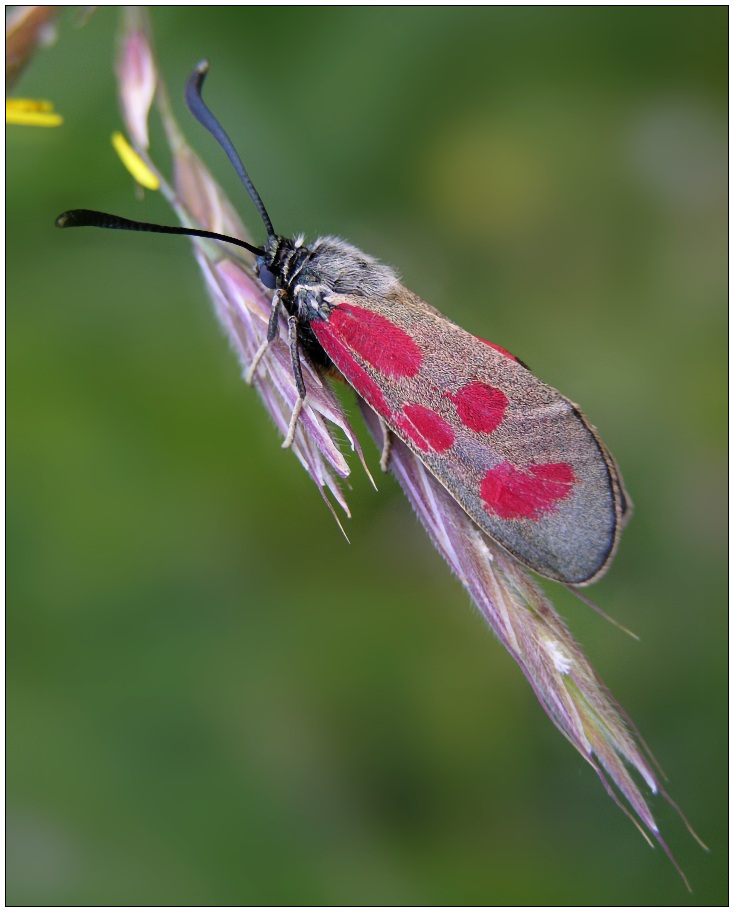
{"x":518,"y":457}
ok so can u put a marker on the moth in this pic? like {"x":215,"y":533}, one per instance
{"x":519,"y":458}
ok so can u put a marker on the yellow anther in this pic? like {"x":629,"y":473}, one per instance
{"x":31,"y":112}
{"x":134,"y":163}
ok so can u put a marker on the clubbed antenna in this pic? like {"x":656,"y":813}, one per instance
{"x":90,"y":218}
{"x":205,"y":117}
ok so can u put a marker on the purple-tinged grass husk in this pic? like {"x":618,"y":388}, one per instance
{"x":240,"y":302}
{"x":137,"y":77}
{"x":528,"y":626}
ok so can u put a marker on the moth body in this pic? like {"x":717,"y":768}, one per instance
{"x":518,"y":456}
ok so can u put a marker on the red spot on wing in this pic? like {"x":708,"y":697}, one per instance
{"x":426,"y":429}
{"x":480,"y":407}
{"x":354,"y":372}
{"x":526,"y":493}
{"x":387,"y":347}
{"x":502,"y":351}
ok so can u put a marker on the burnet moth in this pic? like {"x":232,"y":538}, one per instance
{"x":519,"y":458}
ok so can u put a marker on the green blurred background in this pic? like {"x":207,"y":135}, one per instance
{"x":211,"y":697}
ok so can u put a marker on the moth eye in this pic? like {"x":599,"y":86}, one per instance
{"x":268,"y":278}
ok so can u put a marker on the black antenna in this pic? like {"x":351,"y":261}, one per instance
{"x":205,"y":117}
{"x":79,"y":218}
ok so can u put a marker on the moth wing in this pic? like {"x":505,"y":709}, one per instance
{"x":518,"y":456}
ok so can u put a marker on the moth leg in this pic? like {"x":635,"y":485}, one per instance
{"x":386,"y":444}
{"x":269,"y":338}
{"x":298,"y":376}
